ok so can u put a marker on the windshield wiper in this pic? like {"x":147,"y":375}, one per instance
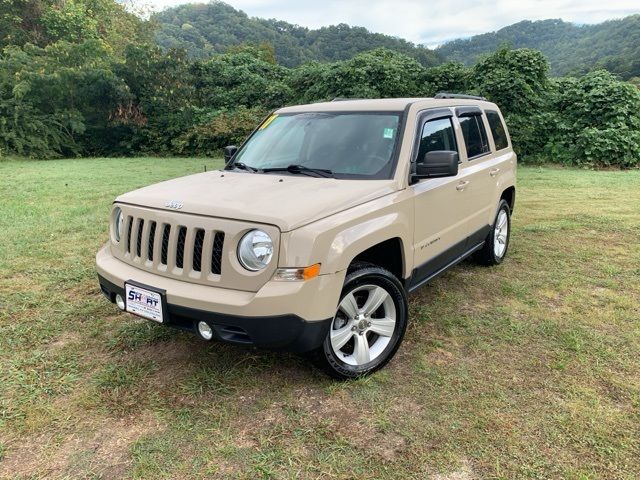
{"x":243,"y":166}
{"x":320,"y":172}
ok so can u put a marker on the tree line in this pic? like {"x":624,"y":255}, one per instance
{"x":85,"y":78}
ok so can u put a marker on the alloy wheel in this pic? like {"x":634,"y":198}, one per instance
{"x":363,"y":325}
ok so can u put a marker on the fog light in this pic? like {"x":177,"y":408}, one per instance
{"x":205,"y":330}
{"x":119,"y":301}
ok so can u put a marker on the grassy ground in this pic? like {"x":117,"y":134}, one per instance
{"x":527,"y":370}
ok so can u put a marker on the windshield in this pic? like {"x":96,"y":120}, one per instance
{"x":354,"y":144}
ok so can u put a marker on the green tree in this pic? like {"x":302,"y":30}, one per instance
{"x":450,"y":77}
{"x":244,"y":78}
{"x":43,"y":22}
{"x":379,"y":73}
{"x":66,"y":89}
{"x":161,"y":104}
{"x":515,"y":79}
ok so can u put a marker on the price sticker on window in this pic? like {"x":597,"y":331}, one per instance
{"x":268,"y":121}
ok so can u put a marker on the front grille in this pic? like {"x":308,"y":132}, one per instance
{"x":164,"y":246}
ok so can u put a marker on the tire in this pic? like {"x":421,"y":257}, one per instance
{"x":363,"y":337}
{"x":497,"y":242}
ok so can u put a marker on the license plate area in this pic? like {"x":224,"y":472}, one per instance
{"x":145,"y":301}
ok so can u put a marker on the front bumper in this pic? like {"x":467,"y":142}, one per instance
{"x":293,"y":316}
{"x":283,"y":332}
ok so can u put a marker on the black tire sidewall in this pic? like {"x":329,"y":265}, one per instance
{"x":382,"y":278}
{"x":503,"y":205}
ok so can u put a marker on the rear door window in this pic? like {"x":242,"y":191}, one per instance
{"x":497,"y":130}
{"x":475,"y":136}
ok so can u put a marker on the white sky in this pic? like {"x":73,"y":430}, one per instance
{"x":428,"y":22}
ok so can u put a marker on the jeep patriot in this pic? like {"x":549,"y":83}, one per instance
{"x":318,"y":226}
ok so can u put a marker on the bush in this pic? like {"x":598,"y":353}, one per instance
{"x":607,"y":147}
{"x":530,"y":135}
{"x":226,"y":127}
{"x":599,"y":122}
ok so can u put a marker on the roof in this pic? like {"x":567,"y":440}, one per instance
{"x":381,"y":105}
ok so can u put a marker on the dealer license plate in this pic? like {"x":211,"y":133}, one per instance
{"x":143,"y":302}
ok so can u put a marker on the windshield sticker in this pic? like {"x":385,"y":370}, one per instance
{"x":388,"y":133}
{"x":268,"y":121}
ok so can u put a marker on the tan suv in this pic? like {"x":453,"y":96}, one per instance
{"x":317,"y":227}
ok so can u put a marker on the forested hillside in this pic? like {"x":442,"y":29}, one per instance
{"x":570,"y":49}
{"x":204,"y":29}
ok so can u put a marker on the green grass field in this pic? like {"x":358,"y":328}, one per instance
{"x":527,"y":370}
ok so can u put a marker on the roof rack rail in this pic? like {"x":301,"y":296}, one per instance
{"x":345,"y":99}
{"x":442,"y":95}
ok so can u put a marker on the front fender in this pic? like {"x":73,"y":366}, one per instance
{"x":336,"y":240}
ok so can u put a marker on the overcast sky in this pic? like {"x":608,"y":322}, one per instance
{"x":428,"y":22}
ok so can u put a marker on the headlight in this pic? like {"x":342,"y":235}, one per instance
{"x":118,"y":223}
{"x":255,"y":250}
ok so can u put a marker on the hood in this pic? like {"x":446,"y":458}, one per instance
{"x":287,"y":201}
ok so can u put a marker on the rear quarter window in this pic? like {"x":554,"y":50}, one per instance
{"x":498,"y":130}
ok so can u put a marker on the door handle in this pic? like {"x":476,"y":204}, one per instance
{"x":494,"y":172}
{"x":462,"y":185}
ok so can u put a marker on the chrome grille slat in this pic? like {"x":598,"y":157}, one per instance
{"x":144,"y":241}
{"x":134,"y":238}
{"x":188,"y":249}
{"x":207,"y":245}
{"x":171,"y":255}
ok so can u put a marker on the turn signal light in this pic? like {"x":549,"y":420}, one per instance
{"x":297,"y":274}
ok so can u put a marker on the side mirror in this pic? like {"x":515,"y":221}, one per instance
{"x":438,"y":163}
{"x":229,"y":152}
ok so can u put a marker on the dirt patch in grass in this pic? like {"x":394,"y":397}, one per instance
{"x":101,"y":449}
{"x":65,"y":340}
{"x":463,"y":473}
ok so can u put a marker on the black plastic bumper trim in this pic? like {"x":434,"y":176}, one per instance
{"x":280,"y":332}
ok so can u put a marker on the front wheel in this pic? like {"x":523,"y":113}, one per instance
{"x":368,"y":326}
